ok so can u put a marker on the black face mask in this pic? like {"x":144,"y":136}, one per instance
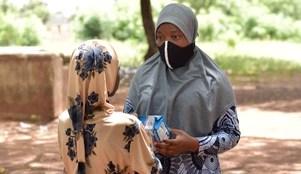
{"x":175,"y":56}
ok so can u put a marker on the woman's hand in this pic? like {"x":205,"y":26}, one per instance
{"x":182,"y":143}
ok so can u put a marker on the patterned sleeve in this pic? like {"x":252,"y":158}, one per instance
{"x":128,"y":107}
{"x":225,"y":134}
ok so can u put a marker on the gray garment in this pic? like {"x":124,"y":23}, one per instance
{"x":182,"y":17}
{"x":190,"y":98}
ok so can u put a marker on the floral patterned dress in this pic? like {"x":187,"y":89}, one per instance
{"x":92,"y":137}
{"x":115,"y":144}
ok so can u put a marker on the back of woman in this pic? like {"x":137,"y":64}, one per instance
{"x":93,"y":138}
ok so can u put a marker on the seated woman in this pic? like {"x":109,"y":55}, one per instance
{"x":92,"y":137}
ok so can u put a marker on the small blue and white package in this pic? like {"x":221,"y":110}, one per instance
{"x":155,"y":127}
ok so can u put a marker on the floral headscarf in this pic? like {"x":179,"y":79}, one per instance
{"x":93,"y":72}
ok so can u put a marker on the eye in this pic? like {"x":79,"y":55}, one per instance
{"x":176,"y":37}
{"x":159,"y":37}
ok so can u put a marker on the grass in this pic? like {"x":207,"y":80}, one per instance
{"x":248,"y":65}
{"x":257,"y":49}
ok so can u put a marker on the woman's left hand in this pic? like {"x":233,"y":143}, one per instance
{"x":182,"y":143}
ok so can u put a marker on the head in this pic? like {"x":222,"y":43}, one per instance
{"x":176,"y":23}
{"x":175,"y":33}
{"x":93,"y":76}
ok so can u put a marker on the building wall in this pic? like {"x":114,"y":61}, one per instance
{"x":31,"y":86}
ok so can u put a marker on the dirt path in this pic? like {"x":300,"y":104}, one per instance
{"x":269,"y":115}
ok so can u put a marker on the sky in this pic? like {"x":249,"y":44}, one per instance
{"x":66,"y":6}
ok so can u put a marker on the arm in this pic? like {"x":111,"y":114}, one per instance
{"x":128,"y":107}
{"x":225,"y":135}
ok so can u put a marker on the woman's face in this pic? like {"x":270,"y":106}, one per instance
{"x":169,"y":32}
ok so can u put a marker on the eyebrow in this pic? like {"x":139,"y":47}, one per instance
{"x":172,"y":32}
{"x":175,"y":31}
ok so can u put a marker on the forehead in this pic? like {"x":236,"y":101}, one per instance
{"x":168,"y":28}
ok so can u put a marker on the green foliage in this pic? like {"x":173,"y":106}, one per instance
{"x":259,"y":23}
{"x":7,"y":32}
{"x":128,"y":23}
{"x":37,"y":7}
{"x":21,"y":27}
{"x":228,"y":21}
{"x":130,"y":54}
{"x":16,"y":31}
{"x":199,"y":5}
{"x":211,"y":25}
{"x":92,"y":23}
{"x":7,"y":7}
{"x":291,"y":8}
{"x":248,"y":19}
{"x":90,"y":28}
{"x":31,"y":36}
{"x":123,"y":22}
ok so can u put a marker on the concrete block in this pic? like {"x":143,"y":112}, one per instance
{"x":31,"y":86}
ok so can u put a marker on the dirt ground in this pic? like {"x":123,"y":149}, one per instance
{"x":269,"y":114}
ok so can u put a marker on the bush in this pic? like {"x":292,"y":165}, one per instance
{"x":92,"y":24}
{"x":211,"y":25}
{"x":8,"y":33}
{"x":32,"y":31}
{"x":16,"y":31}
{"x":122,"y":22}
{"x":128,"y":21}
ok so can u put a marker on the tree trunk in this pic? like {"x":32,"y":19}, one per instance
{"x":149,"y":27}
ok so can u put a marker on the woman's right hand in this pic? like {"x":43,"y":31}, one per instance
{"x":181,"y":144}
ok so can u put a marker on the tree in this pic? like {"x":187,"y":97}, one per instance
{"x":200,"y":4}
{"x":149,"y":27}
{"x":6,"y":7}
{"x":37,"y":7}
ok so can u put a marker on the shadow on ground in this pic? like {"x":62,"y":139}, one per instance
{"x":270,"y":93}
{"x":32,"y":149}
{"x":263,"y":155}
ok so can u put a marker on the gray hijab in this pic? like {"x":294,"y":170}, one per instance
{"x":180,"y":16}
{"x":190,"y":98}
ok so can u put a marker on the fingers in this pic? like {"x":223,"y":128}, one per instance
{"x":164,"y":149}
{"x":173,"y":146}
{"x":167,"y":141}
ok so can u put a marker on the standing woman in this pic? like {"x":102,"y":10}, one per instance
{"x":92,"y":137}
{"x":182,"y":83}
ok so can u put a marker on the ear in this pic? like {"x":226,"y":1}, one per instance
{"x":111,"y":94}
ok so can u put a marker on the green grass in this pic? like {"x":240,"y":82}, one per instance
{"x":248,"y":65}
{"x":257,"y":60}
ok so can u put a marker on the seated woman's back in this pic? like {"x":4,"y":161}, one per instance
{"x":93,"y":138}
